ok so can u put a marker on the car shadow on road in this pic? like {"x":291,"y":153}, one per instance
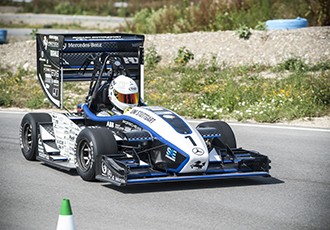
{"x":71,"y":172}
{"x":192,"y":185}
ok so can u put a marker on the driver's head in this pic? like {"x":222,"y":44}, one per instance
{"x":123,"y":92}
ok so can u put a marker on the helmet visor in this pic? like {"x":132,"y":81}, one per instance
{"x":127,"y":98}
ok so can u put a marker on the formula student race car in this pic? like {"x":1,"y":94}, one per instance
{"x":122,"y":144}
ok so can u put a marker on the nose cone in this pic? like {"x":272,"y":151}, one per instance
{"x":199,"y":160}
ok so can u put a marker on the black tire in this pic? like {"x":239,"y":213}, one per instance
{"x":227,"y":134}
{"x":90,"y":143}
{"x":29,"y":133}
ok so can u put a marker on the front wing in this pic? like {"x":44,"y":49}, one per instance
{"x":224,"y":163}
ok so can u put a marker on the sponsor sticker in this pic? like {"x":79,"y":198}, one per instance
{"x":132,"y":89}
{"x":54,"y":37}
{"x":54,"y":53}
{"x":131,"y":60}
{"x":132,"y":125}
{"x":137,"y":44}
{"x":143,"y":115}
{"x":155,"y":108}
{"x":168,"y":116}
{"x":104,"y":168}
{"x":171,"y":153}
{"x":162,"y":112}
{"x":107,"y":173}
{"x":198,"y":151}
{"x":198,"y":165}
{"x":84,"y":45}
{"x":47,"y":43}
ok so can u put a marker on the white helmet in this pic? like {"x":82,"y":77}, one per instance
{"x":123,"y":92}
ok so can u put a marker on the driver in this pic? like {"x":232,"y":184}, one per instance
{"x":123,"y":94}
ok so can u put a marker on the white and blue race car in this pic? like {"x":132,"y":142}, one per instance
{"x":143,"y":145}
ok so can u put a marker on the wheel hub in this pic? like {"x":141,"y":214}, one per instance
{"x":27,"y":137}
{"x":85,"y":156}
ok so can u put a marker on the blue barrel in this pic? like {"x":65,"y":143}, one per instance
{"x":3,"y":36}
{"x":286,"y":24}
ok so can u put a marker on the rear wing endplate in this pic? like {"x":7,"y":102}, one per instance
{"x":60,"y":57}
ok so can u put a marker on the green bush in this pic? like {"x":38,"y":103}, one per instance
{"x":152,"y":57}
{"x":293,"y":64}
{"x":183,"y":56}
{"x":261,"y":26}
{"x":33,"y":34}
{"x":243,"y":31}
{"x":193,"y":15}
{"x":207,"y":15}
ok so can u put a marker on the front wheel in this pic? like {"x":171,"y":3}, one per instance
{"x":91,"y":142}
{"x":29,"y":133}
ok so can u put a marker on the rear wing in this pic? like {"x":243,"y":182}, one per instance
{"x":60,"y":56}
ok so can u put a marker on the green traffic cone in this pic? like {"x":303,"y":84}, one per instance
{"x":65,"y":219}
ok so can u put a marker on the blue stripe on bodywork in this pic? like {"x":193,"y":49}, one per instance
{"x":196,"y":177}
{"x":140,"y":140}
{"x":100,"y":40}
{"x":92,"y":67}
{"x":142,"y":125}
{"x":211,"y":136}
{"x":87,"y":50}
{"x":147,"y":175}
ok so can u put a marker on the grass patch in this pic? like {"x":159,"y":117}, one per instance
{"x":207,"y":91}
{"x":21,"y":89}
{"x":74,"y":94}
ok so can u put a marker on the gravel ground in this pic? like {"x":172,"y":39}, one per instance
{"x":91,"y":22}
{"x":263,"y":47}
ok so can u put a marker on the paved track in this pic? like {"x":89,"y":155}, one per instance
{"x":62,"y":17}
{"x":107,"y":24}
{"x":297,"y":196}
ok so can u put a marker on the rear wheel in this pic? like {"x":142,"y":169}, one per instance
{"x":227,"y":134}
{"x":91,"y":142}
{"x":29,"y":133}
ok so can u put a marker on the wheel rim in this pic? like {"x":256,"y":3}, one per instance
{"x":85,"y":155}
{"x":27,"y":137}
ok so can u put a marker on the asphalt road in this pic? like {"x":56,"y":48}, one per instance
{"x":36,"y":19}
{"x":297,"y":196}
{"x":62,"y":17}
{"x":28,"y":31}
